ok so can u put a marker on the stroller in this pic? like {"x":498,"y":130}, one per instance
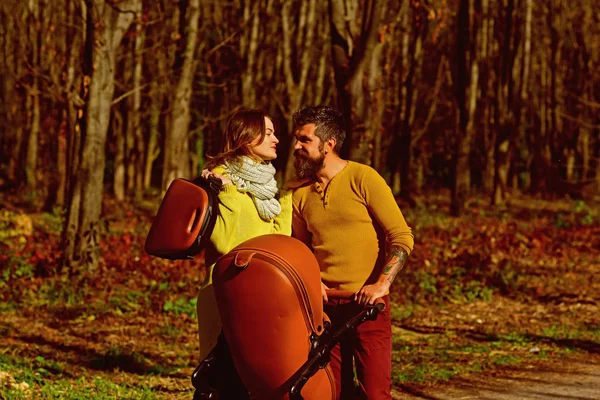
{"x":268,"y":293}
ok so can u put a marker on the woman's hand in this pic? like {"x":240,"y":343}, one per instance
{"x":324,"y":290}
{"x":206,"y":173}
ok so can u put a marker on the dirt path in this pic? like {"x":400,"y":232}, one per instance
{"x":573,"y":379}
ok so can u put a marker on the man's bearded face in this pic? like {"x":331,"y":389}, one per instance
{"x":307,"y":166}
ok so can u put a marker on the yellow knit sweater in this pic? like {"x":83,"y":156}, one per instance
{"x":238,"y":221}
{"x":349,"y":225}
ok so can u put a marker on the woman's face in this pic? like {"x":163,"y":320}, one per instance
{"x":267,"y":149}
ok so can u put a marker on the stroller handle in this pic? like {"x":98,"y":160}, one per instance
{"x":320,"y":354}
{"x":348,"y":295}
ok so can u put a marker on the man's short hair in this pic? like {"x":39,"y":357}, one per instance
{"x":329,"y":123}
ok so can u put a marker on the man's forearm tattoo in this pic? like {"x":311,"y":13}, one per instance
{"x":396,"y":260}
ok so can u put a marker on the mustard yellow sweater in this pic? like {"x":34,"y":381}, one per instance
{"x":349,"y":225}
{"x":238,"y":221}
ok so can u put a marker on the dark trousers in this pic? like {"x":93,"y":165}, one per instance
{"x":222,"y":376}
{"x":369,"y":346}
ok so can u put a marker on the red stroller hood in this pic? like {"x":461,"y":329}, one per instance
{"x":269,"y":297}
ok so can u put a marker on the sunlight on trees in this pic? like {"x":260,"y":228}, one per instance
{"x":103,"y":98}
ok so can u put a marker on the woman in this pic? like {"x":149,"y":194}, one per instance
{"x":249,"y":186}
{"x":250,"y":205}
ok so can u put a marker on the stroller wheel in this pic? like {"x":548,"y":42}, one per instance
{"x":200,"y":380}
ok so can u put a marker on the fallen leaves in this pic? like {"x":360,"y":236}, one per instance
{"x":8,"y":382}
{"x":472,"y":280}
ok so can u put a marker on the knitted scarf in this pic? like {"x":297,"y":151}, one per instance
{"x":259,"y":180}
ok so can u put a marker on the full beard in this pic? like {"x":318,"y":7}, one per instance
{"x":306,"y":167}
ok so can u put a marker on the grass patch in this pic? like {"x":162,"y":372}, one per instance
{"x":505,"y":360}
{"x":38,"y":378}
{"x":169,"y":330}
{"x":79,"y":389}
{"x":181,"y":305}
{"x":115,"y":358}
{"x":431,"y":358}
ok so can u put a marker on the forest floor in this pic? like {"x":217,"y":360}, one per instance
{"x":496,"y":304}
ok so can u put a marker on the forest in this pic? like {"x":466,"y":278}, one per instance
{"x":474,"y":111}
{"x":120,"y":97}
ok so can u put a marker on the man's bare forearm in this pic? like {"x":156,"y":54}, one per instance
{"x":369,"y":293}
{"x":396,"y":259}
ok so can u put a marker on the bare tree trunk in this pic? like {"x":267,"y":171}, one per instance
{"x":555,"y":75}
{"x":522,"y":109}
{"x":597,"y":163}
{"x":129,"y":117}
{"x":583,"y":112}
{"x":489,"y":52}
{"x":61,"y":161}
{"x":53,"y":59}
{"x":82,"y":225}
{"x":489,"y":141}
{"x":249,"y":47}
{"x":119,"y":163}
{"x":133,"y":136}
{"x":296,"y":90}
{"x":357,"y":58}
{"x":153,"y":149}
{"x":322,"y":73}
{"x":35,"y":34}
{"x":585,"y":141}
{"x":504,"y":97}
{"x":7,"y":82}
{"x":419,"y":133}
{"x":12,"y":99}
{"x":401,"y":97}
{"x":32,"y":142}
{"x":176,"y":155}
{"x":75,"y":39}
{"x":541,"y":173}
{"x":397,"y":85}
{"x":138,"y":185}
{"x":466,"y":86}
{"x":411,"y":61}
{"x":539,"y":142}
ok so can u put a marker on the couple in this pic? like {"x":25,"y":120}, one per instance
{"x":344,"y":211}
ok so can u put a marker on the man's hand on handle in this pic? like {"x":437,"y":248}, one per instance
{"x":369,"y":293}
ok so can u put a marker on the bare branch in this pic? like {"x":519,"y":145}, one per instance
{"x":127,"y":94}
{"x":113,"y":4}
{"x":587,"y":102}
{"x":435,"y":97}
{"x":577,"y":120}
{"x":230,"y":37}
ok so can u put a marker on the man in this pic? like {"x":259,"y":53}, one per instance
{"x":348,"y":215}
